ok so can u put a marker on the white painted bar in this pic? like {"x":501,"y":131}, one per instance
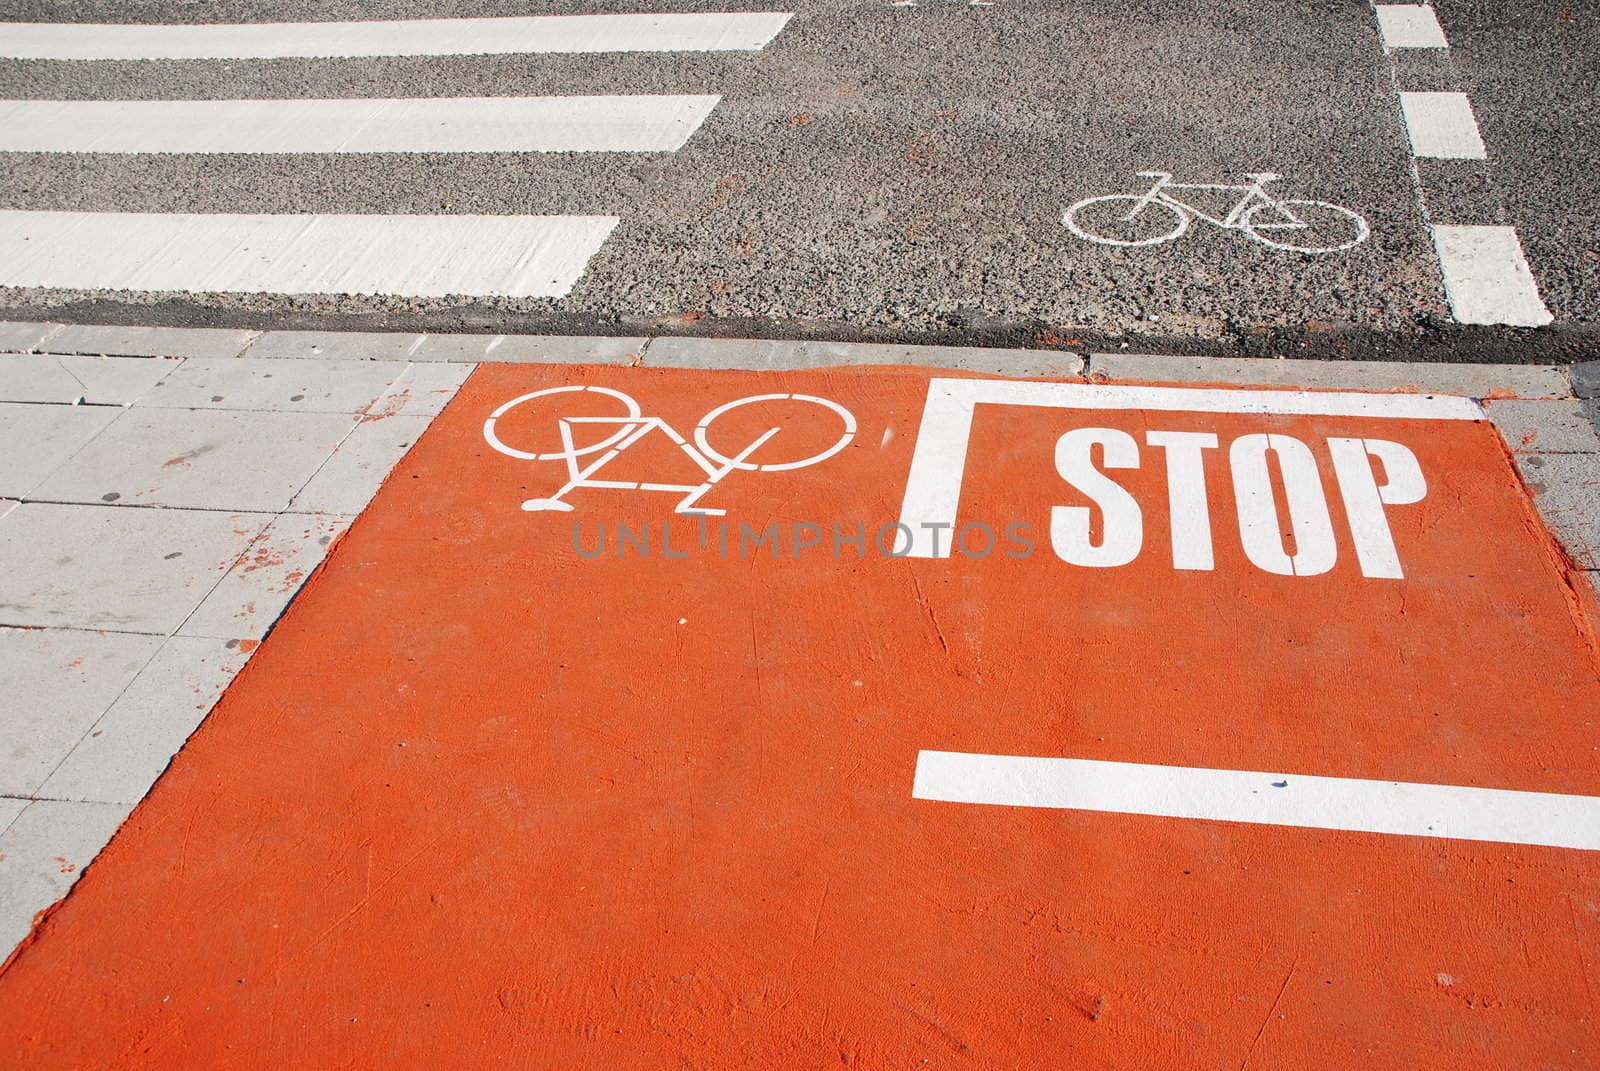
{"x":1409,"y":26}
{"x":1397,"y":807}
{"x":354,"y":125}
{"x":1441,"y":126}
{"x":939,"y":458}
{"x":532,"y":35}
{"x":1487,"y":278}
{"x":413,"y":256}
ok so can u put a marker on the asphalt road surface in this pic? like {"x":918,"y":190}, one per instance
{"x":901,"y":172}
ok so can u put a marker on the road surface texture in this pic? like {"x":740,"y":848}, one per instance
{"x":870,"y":171}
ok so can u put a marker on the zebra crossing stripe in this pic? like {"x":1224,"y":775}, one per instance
{"x":1409,"y":26}
{"x":1441,"y":126}
{"x":1487,"y":278}
{"x":355,"y":125}
{"x":400,"y":255}
{"x":676,"y":32}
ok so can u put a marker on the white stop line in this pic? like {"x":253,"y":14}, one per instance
{"x":1407,"y":808}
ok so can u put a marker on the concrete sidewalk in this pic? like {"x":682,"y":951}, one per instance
{"x":165,"y":493}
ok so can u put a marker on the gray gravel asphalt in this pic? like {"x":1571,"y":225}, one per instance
{"x":900,"y":173}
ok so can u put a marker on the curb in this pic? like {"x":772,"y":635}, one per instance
{"x":1474,"y":380}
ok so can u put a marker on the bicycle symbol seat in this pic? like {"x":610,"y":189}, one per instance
{"x":631,"y":426}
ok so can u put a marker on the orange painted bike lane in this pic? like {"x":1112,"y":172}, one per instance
{"x":487,"y":797}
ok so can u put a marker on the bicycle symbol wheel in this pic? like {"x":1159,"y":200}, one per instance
{"x":703,"y":429}
{"x":627,"y":422}
{"x":1127,"y":219}
{"x":1304,"y":226}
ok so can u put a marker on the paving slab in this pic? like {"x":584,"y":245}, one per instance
{"x":422,"y":390}
{"x":126,"y":750}
{"x":199,"y":459}
{"x":65,"y":379}
{"x":106,"y":567}
{"x":246,"y":603}
{"x":1567,"y":490}
{"x":42,"y":853}
{"x":36,"y":440}
{"x":1586,"y":379}
{"x":150,"y":341}
{"x":1544,"y":427}
{"x":57,"y":683}
{"x":332,"y":386}
{"x":10,"y":807}
{"x":19,"y":337}
{"x":1472,"y":380}
{"x":1156,"y":672}
{"x":385,"y":346}
{"x":349,"y":479}
{"x":759,"y":354}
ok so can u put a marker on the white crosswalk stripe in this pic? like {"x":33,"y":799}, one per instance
{"x":687,"y":32}
{"x":422,"y":256}
{"x":430,"y":124}
{"x":460,"y":256}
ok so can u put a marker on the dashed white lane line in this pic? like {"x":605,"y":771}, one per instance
{"x":678,"y":32}
{"x":1347,"y":803}
{"x":1487,"y":278}
{"x":355,"y":125}
{"x":1441,"y":126}
{"x":416,"y":256}
{"x":1409,"y":26}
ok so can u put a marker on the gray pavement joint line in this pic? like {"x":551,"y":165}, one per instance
{"x":27,"y":500}
{"x":54,"y":330}
{"x":97,"y":631}
{"x":63,"y":799}
{"x":81,"y":404}
{"x":91,"y":727}
{"x":361,"y":418}
{"x":84,"y":387}
{"x":248,"y":547}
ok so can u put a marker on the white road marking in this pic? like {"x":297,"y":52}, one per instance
{"x":683,"y":32}
{"x":1347,"y":803}
{"x":1409,"y":26}
{"x":1487,"y":278}
{"x":1292,"y":225}
{"x":355,"y":125}
{"x":414,"y":256}
{"x":939,"y":458}
{"x":1442,"y":126}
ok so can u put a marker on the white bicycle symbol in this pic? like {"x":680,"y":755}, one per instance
{"x":633,"y":426}
{"x":1133,"y":219}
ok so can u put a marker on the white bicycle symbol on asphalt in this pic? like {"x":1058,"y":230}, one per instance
{"x":632,"y":426}
{"x":1134,"y":219}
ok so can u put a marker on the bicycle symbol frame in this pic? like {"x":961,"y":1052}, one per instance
{"x":633,"y":426}
{"x":1257,"y":213}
